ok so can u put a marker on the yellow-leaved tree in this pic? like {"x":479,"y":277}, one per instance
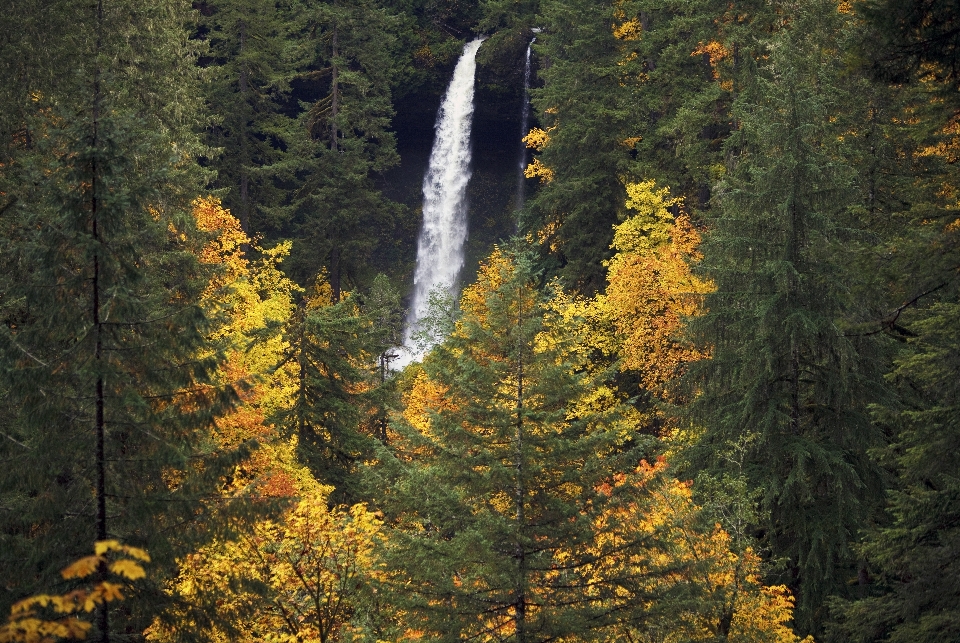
{"x":252,"y":300}
{"x":46,"y":618}
{"x":688,"y":582}
{"x":308,"y":576}
{"x":651,"y":288}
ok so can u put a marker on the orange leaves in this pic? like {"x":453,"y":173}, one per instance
{"x":212,"y":217}
{"x":226,"y":246}
{"x":715,"y":52}
{"x":251,"y":300}
{"x":82,"y":568}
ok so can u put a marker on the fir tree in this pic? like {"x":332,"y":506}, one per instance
{"x":496,"y":479}
{"x":336,"y":350}
{"x":587,"y":107}
{"x":247,"y":60}
{"x":105,"y":382}
{"x":907,"y":588}
{"x":341,"y":141}
{"x":783,"y":377}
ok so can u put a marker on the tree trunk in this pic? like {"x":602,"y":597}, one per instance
{"x":520,"y":600}
{"x":99,"y":421}
{"x":334,"y":94}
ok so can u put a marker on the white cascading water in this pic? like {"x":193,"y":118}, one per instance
{"x":444,"y":231}
{"x":524,"y":126}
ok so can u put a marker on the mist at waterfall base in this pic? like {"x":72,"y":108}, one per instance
{"x":444,"y":229}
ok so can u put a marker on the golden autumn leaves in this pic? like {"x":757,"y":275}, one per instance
{"x":651,"y":553}
{"x":311,"y":572}
{"x":31,"y":620}
{"x":294,"y":578}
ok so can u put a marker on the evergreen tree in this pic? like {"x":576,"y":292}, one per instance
{"x":105,"y":382}
{"x":586,"y":107}
{"x":784,"y":378}
{"x":246,"y":93}
{"x":339,"y":352}
{"x":914,"y":595}
{"x":382,"y":305}
{"x":496,"y":479}
{"x":341,"y":141}
{"x":907,"y":587}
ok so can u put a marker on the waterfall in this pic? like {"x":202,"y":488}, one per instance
{"x":524,"y":126}
{"x":444,"y":231}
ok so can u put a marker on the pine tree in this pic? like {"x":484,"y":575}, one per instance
{"x":784,"y":377}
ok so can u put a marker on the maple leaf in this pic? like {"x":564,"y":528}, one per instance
{"x":83,"y":567}
{"x":128,"y":569}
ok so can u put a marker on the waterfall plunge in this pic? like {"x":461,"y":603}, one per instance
{"x":524,"y":126}
{"x":444,"y":231}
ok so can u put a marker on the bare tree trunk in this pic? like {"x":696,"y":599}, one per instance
{"x":99,"y":421}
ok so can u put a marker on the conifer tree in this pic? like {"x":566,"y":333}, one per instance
{"x":341,"y":141}
{"x":907,"y":588}
{"x":339,"y":351}
{"x":383,"y":307}
{"x":587,"y":106}
{"x":105,"y":385}
{"x":495,"y":480}
{"x":245,"y":95}
{"x":783,"y":375}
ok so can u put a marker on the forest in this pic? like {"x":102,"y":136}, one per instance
{"x":696,"y":380}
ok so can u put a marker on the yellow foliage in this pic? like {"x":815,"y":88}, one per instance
{"x":425,"y":395}
{"x":679,"y":553}
{"x":495,"y":271}
{"x":314,"y":561}
{"x":537,"y":139}
{"x":248,"y":298}
{"x":128,"y":569}
{"x":82,"y":568}
{"x":28,"y":625}
{"x":651,"y":289}
{"x":320,"y":294}
{"x":539,"y":170}
{"x":628,"y":30}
